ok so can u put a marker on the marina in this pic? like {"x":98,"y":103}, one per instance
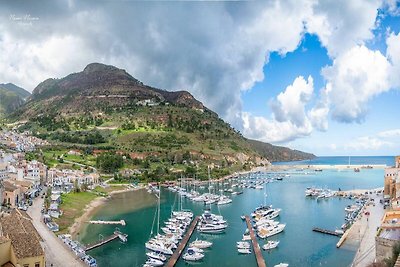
{"x":256,"y":247}
{"x":327,"y":214}
{"x":174,"y":258}
{"x":325,"y":231}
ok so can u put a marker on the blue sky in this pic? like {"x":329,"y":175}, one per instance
{"x":317,"y":75}
{"x":309,"y":59}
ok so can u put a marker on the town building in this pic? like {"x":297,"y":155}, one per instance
{"x":392,"y":184}
{"x":20,"y":242}
{"x":11,"y":194}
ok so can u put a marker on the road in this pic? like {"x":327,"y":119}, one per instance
{"x":368,"y":224}
{"x":57,"y":254}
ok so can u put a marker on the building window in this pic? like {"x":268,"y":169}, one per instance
{"x":26,"y":265}
{"x":37,"y":264}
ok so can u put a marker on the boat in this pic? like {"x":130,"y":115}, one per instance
{"x":270,"y":231}
{"x":243,"y":217}
{"x":196,"y":249}
{"x":158,"y":247}
{"x":191,"y":255}
{"x":157,"y":256}
{"x":201,"y":244}
{"x":242,"y":244}
{"x":282,"y":265}
{"x":224,"y":201}
{"x":270,"y":245}
{"x":211,"y":228}
{"x":154,"y":262}
{"x":244,"y":250}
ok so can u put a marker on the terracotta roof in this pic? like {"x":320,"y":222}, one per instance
{"x":24,"y":237}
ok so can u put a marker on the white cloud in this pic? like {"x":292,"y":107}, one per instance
{"x":389,"y":133}
{"x":393,"y":54}
{"x":342,"y":24}
{"x":270,"y":130}
{"x":290,"y":104}
{"x":354,"y":78}
{"x":366,"y":143}
{"x":289,"y":120}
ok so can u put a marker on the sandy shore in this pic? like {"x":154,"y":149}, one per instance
{"x":92,"y":207}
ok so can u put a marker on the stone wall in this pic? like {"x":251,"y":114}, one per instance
{"x":384,"y":248}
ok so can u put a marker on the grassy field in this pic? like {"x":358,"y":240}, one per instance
{"x":73,"y":205}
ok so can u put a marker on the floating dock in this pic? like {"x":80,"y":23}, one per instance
{"x":256,"y":247}
{"x":324,"y":231}
{"x":174,"y":258}
{"x":121,"y":222}
{"x":110,"y":238}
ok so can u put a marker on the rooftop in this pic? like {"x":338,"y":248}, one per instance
{"x":24,"y":237}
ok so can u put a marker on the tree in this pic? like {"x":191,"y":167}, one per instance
{"x":109,"y":162}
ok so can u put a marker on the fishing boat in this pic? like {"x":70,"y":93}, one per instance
{"x":270,"y":245}
{"x":201,"y":244}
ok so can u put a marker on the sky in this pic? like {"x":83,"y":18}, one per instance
{"x":318,"y":76}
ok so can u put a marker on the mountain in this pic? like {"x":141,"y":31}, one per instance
{"x":11,"y":98}
{"x":104,"y":108}
{"x":21,"y":92}
{"x":279,"y":153}
{"x":96,"y":88}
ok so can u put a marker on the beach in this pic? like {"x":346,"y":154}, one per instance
{"x":94,"y":206}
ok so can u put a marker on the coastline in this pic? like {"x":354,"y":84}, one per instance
{"x":92,"y":207}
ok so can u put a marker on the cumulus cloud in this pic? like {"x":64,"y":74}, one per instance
{"x":289,"y":120}
{"x":342,"y":24}
{"x":393,"y":55}
{"x":354,"y":78}
{"x":273,"y":131}
{"x":289,"y":105}
{"x":214,"y":50}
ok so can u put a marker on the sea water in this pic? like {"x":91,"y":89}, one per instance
{"x":299,"y":245}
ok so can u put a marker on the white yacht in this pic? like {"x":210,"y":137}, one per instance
{"x":157,"y":256}
{"x":244,"y":250}
{"x":201,"y":244}
{"x":270,"y":245}
{"x":158,"y":247}
{"x":224,"y":201}
{"x":191,"y":255}
{"x":270,"y":231}
{"x":154,"y":262}
{"x":282,"y":265}
{"x":211,"y":228}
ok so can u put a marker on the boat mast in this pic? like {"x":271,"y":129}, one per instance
{"x":159,"y":204}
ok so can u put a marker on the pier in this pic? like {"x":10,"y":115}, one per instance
{"x":256,"y":247}
{"x":177,"y":253}
{"x":121,"y":222}
{"x":325,"y":231}
{"x":110,"y":238}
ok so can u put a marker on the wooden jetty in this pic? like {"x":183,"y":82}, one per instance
{"x":325,"y":231}
{"x":256,"y":247}
{"x":121,"y":222}
{"x":110,"y":238}
{"x":174,"y":258}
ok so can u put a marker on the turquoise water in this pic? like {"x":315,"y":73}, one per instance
{"x":299,"y":246}
{"x":343,"y":160}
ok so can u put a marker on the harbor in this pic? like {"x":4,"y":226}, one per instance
{"x":326,"y":213}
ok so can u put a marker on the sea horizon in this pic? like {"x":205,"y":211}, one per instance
{"x":342,"y":160}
